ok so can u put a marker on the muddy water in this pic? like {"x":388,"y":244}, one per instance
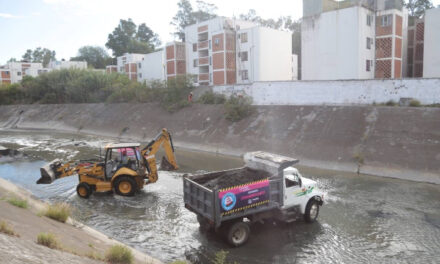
{"x":365,"y":218}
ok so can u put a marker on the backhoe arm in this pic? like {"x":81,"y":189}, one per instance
{"x":56,"y":170}
{"x":148,"y":154}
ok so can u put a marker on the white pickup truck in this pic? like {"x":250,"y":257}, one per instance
{"x":268,"y":186}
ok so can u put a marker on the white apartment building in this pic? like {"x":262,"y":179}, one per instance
{"x":263,"y":54}
{"x":227,"y":51}
{"x":152,"y":66}
{"x":431,"y":50}
{"x":13,"y":72}
{"x":353,"y":39}
{"x":58,"y":65}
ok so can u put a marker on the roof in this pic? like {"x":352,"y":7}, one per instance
{"x":122,"y":145}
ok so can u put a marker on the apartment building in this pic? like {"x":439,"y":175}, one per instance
{"x":431,"y":44}
{"x":175,"y":59}
{"x":128,"y":64}
{"x":353,"y":39}
{"x":416,"y":32}
{"x":13,"y":72}
{"x":58,"y":65}
{"x":111,"y":68}
{"x":227,"y":51}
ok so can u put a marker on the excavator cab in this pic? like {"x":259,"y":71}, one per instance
{"x":121,"y":155}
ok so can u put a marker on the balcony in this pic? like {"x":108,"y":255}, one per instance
{"x":202,"y":45}
{"x":203,"y":61}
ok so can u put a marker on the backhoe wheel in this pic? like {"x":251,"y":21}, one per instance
{"x":83,"y":190}
{"x":125,"y":186}
{"x":238,"y":234}
{"x":312,"y":211}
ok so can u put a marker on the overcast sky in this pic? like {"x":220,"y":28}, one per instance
{"x":66,"y":25}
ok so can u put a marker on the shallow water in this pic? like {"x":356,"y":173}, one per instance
{"x":364,"y":219}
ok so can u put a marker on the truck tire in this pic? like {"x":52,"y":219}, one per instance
{"x":83,"y":190}
{"x":125,"y":186}
{"x":312,"y":211}
{"x":238,"y":234}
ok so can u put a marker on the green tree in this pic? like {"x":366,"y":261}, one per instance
{"x":127,"y":37}
{"x":186,"y":15}
{"x":95,"y":56}
{"x":41,"y":55}
{"x":417,"y":8}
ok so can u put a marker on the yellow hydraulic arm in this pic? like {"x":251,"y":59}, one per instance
{"x":148,"y":153}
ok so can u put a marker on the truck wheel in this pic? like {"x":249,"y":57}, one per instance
{"x":312,"y":211}
{"x":125,"y":186}
{"x":238,"y":234}
{"x":83,"y":190}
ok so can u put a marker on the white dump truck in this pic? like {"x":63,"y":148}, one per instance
{"x":267,"y":187}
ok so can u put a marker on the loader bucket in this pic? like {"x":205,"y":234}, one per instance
{"x":48,"y":173}
{"x":166,"y":165}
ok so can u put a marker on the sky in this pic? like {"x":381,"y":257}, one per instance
{"x":67,"y":25}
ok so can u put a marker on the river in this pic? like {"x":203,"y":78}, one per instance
{"x":365,"y":219}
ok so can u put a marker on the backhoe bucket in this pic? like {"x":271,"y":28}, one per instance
{"x":166,"y":165}
{"x":48,"y":172}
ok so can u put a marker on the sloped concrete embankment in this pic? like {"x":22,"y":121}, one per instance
{"x":385,"y":141}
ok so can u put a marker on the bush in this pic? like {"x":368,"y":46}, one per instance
{"x":212,"y":98}
{"x":415,"y":103}
{"x":47,"y":240}
{"x":59,"y":212}
{"x":118,"y":254}
{"x":390,"y":103}
{"x":5,"y":229}
{"x":238,"y":107}
{"x":18,"y":202}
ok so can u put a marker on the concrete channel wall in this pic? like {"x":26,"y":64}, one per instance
{"x":349,"y":92}
{"x":399,"y":142}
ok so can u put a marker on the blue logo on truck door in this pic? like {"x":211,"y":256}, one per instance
{"x":228,"y":201}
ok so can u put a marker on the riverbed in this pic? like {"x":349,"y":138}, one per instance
{"x":364,"y":218}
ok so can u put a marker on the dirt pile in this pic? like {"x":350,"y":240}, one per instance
{"x":219,"y":180}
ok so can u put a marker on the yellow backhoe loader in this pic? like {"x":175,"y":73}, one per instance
{"x":125,"y":168}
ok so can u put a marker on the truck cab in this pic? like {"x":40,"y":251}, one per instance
{"x":301,"y":194}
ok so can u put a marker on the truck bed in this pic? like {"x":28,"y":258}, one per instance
{"x":230,"y":178}
{"x":252,"y":190}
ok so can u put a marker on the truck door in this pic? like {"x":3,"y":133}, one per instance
{"x":292,"y":185}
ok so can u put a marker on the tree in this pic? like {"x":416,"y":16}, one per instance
{"x":128,"y":38}
{"x":41,"y":55}
{"x":186,"y":15}
{"x":417,"y":8}
{"x":95,"y":56}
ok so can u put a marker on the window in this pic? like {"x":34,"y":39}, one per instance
{"x":139,"y":65}
{"x":244,"y":75}
{"x":244,"y":56}
{"x":195,"y":47}
{"x":210,"y":60}
{"x":140,"y":75}
{"x":209,"y":44}
{"x":369,"y":42}
{"x":210,"y":77}
{"x":369,"y":63}
{"x":217,"y":41}
{"x":195,"y":63}
{"x":18,"y":73}
{"x":369,"y":20}
{"x":121,"y":69}
{"x":243,"y":37}
{"x":386,"y":21}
